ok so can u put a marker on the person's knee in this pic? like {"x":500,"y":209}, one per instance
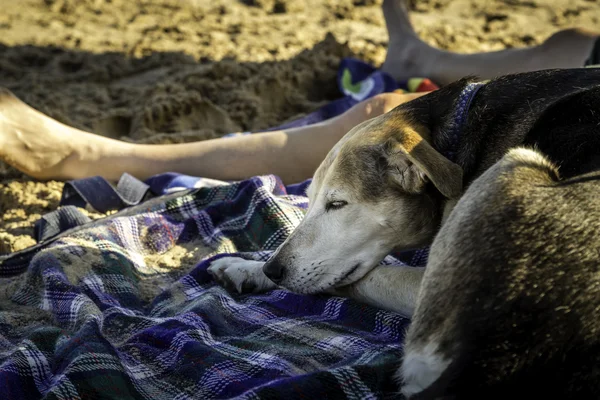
{"x":384,"y":102}
{"x":371,"y":108}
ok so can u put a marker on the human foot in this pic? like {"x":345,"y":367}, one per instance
{"x":407,"y":55}
{"x":35,"y":143}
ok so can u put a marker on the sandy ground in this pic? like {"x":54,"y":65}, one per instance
{"x":164,"y":71}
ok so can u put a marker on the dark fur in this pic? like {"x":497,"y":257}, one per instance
{"x":516,"y":280}
{"x":523,"y":278}
{"x":515,"y":110}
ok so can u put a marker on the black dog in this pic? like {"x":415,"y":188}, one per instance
{"x":510,"y":300}
{"x":556,"y":111}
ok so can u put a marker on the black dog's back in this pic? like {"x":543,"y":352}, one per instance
{"x":535,"y":332}
{"x":568,"y":132}
{"x":512,"y":296}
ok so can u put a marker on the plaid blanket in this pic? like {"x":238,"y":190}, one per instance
{"x":120,"y":308}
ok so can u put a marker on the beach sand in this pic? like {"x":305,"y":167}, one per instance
{"x":171,"y":71}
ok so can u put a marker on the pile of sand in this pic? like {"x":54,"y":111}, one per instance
{"x":166,"y":71}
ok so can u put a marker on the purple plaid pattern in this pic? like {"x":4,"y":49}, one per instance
{"x":79,"y":320}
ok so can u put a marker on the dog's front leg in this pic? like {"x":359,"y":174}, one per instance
{"x":239,"y":275}
{"x":394,"y":288}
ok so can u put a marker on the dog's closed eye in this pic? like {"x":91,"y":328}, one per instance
{"x":335,"y":205}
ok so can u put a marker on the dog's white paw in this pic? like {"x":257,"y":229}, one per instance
{"x":242,"y":276}
{"x":421,"y":367}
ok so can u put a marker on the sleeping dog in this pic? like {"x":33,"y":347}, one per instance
{"x":508,"y":302}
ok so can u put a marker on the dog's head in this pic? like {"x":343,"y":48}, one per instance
{"x":379,"y":189}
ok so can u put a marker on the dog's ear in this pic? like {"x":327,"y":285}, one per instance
{"x":413,"y":162}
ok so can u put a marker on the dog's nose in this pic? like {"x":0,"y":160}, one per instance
{"x":274,"y":270}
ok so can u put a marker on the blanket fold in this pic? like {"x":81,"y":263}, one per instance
{"x":97,"y":314}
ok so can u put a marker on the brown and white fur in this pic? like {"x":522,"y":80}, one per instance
{"x":371,"y":186}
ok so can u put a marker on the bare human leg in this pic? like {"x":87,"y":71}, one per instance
{"x":46,"y":149}
{"x":409,"y":56}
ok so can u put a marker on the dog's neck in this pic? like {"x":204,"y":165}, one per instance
{"x":444,"y":113}
{"x":449,"y":140}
